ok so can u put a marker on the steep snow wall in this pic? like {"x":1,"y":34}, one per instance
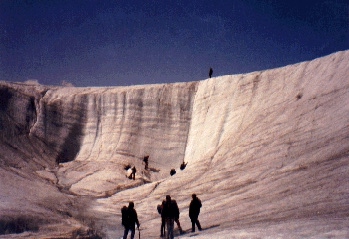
{"x":276,"y":143}
{"x":76,"y":141}
{"x":102,"y":123}
{"x":265,"y":146}
{"x":289,"y":109}
{"x":268,"y":153}
{"x":87,"y":125}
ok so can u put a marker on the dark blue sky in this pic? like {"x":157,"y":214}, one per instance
{"x":128,"y":42}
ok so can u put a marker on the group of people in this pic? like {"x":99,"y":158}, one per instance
{"x":169,"y":212}
{"x":146,"y":167}
{"x":182,"y":167}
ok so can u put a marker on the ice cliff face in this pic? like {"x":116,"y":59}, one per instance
{"x":101,"y":123}
{"x":263,"y":147}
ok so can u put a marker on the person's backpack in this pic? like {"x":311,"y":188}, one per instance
{"x":124,"y":216}
{"x":159,"y":208}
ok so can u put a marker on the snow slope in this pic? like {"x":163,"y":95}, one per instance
{"x":267,"y":153}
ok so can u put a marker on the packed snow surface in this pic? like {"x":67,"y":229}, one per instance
{"x":267,"y":154}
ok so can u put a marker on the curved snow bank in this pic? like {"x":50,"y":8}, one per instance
{"x":275,"y":145}
{"x":273,"y":109}
{"x":263,"y":149}
{"x":100,"y":124}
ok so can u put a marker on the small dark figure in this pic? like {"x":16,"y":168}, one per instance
{"x":129,"y":219}
{"x":146,"y":161}
{"x":170,"y":212}
{"x":194,"y":211}
{"x":133,"y":174}
{"x":173,"y":172}
{"x":210,"y":72}
{"x":183,"y":165}
{"x":160,"y":208}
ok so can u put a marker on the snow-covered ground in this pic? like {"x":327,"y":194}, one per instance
{"x":267,"y":153}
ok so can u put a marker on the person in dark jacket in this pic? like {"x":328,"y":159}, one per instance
{"x":194,"y":211}
{"x":177,"y":218}
{"x":183,"y":165}
{"x":162,"y":228}
{"x":130,"y":219}
{"x":173,"y":172}
{"x":133,"y":174}
{"x":210,"y":73}
{"x":170,"y":212}
{"x":146,"y":162}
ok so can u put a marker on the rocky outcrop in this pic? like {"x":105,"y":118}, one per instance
{"x":267,"y":147}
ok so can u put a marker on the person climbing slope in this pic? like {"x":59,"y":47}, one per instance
{"x":183,"y":165}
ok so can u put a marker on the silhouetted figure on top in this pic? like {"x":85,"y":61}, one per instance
{"x":183,"y":165}
{"x":210,"y":73}
{"x":146,"y":161}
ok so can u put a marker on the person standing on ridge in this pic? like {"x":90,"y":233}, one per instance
{"x":194,"y":211}
{"x":210,"y":73}
{"x":129,"y":219}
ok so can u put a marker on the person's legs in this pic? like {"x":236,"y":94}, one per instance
{"x":192,"y":225}
{"x":167,"y":228}
{"x":178,"y":225}
{"x":198,"y":224}
{"x":170,"y":225}
{"x":125,"y":233}
{"x":133,"y":230}
{"x":171,"y":228}
{"x":162,"y":230}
